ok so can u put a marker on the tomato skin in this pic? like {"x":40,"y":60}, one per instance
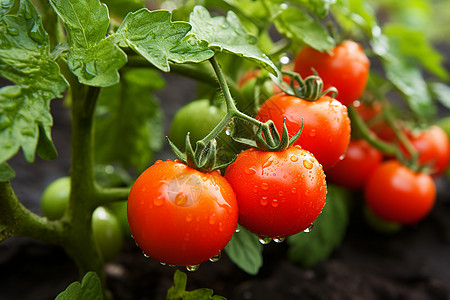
{"x":346,"y":68}
{"x":278,"y":193}
{"x":434,"y":148}
{"x":395,"y":193}
{"x":55,"y":198}
{"x":326,"y":131}
{"x":360,"y":160}
{"x":181,"y":216}
{"x":107,"y":232}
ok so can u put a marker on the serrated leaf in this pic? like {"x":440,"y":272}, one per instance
{"x":227,"y":34}
{"x":6,"y":172}
{"x":320,"y":8}
{"x":129,"y":141}
{"x":89,"y":288}
{"x":412,"y":43}
{"x":153,"y":35}
{"x":94,"y":59}
{"x":245,"y":250}
{"x":178,"y":290}
{"x":296,"y":24}
{"x":356,"y":12}
{"x":442,"y":93}
{"x":310,"y":248}
{"x":26,"y":61}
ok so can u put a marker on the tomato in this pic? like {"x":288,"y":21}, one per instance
{"x":198,"y":118}
{"x":119,"y":209}
{"x":395,"y":193}
{"x":433,"y":147}
{"x":55,"y":197}
{"x":181,"y":216}
{"x":326,"y":131}
{"x":107,"y":233}
{"x":360,"y":160}
{"x":278,"y":193}
{"x":346,"y":68}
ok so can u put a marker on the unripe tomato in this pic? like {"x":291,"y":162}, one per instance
{"x":278,"y":193}
{"x":346,"y":68}
{"x":397,"y":194}
{"x":181,"y":216}
{"x":326,"y":131}
{"x":107,"y":233}
{"x":55,"y":197}
{"x":360,"y":160}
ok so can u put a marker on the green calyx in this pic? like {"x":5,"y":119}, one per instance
{"x":310,"y":88}
{"x":203,"y":158}
{"x":267,"y":138}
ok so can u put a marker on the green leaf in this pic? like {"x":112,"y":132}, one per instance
{"x":121,"y":8}
{"x":407,"y":77}
{"x":227,"y":34}
{"x":153,"y":35}
{"x":413,"y":43}
{"x":129,"y":120}
{"x":178,"y":290}
{"x":442,"y":93}
{"x":6,"y":172}
{"x":89,"y":288}
{"x":94,"y":59}
{"x":296,"y":24}
{"x":25,"y":60}
{"x":245,"y":250}
{"x":356,"y":12}
{"x":329,"y":230}
{"x":320,"y":8}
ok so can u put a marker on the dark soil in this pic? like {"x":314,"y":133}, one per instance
{"x":412,"y":265}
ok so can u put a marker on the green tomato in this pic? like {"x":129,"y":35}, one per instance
{"x":198,"y":118}
{"x":55,"y":197}
{"x":107,"y":233}
{"x":119,"y":209}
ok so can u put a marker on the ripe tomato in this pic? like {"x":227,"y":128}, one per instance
{"x":181,"y":216}
{"x":326,"y":131}
{"x":397,"y":194}
{"x":346,"y":68}
{"x":278,"y":193}
{"x":360,"y":160}
{"x":433,"y":147}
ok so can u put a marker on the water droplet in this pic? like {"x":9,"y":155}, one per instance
{"x":342,"y":157}
{"x":275,"y":202}
{"x":294,"y":158}
{"x":12,"y":31}
{"x":268,"y":162}
{"x":159,"y":201}
{"x":265,"y":186}
{"x":307,"y":164}
{"x":180,"y":199}
{"x":215,"y":258}
{"x":250,"y":171}
{"x":212,"y":219}
{"x":145,"y":255}
{"x":279,"y":239}
{"x":264,"y":201}
{"x":312,"y":133}
{"x":309,"y":229}
{"x":237,"y":230}
{"x":294,"y":190}
{"x":264,"y":240}
{"x":280,"y":193}
{"x":228,"y":130}
{"x":162,"y":264}
{"x":221,"y":226}
{"x":189,"y":218}
{"x":192,"y":268}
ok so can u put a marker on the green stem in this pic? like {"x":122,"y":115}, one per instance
{"x":368,"y":135}
{"x":108,"y":195}
{"x":17,"y":220}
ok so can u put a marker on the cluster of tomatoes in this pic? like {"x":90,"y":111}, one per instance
{"x":181,"y":216}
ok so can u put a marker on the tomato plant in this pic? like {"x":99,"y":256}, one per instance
{"x":180,"y":216}
{"x":55,"y":197}
{"x":278,"y":193}
{"x":346,"y":67}
{"x":326,"y":129}
{"x":355,"y":168}
{"x":397,"y":194}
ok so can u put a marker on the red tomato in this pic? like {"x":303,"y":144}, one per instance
{"x":181,"y":216}
{"x":278,"y":193}
{"x":346,"y":68}
{"x":360,"y":160}
{"x":397,"y":194}
{"x":326,"y":131}
{"x":433,"y":147}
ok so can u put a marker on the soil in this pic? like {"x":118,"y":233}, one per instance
{"x":413,"y":264}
